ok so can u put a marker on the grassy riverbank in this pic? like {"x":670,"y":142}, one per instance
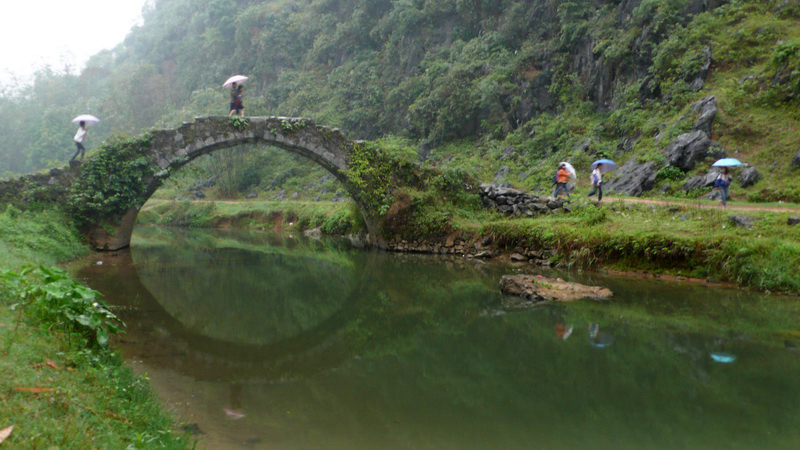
{"x":677,"y":239}
{"x":58,"y":386}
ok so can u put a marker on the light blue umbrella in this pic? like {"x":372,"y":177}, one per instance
{"x":727,"y":162}
{"x":721,"y":357}
{"x":608,"y":165}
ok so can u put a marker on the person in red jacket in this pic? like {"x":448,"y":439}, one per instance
{"x":562,"y":177}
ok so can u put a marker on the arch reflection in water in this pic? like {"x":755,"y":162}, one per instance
{"x":264,"y":293}
{"x":416,"y":356}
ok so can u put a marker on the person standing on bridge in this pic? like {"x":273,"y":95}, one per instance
{"x":237,"y":100}
{"x":79,"y":137}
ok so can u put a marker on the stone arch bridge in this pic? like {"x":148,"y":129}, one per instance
{"x":172,"y":149}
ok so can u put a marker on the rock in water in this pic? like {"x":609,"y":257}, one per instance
{"x":525,"y":291}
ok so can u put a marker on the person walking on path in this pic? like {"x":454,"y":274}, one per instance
{"x":723,"y":182}
{"x":597,"y":182}
{"x":562,"y":177}
{"x":237,"y":100}
{"x":79,"y":137}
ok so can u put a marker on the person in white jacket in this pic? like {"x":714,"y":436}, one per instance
{"x":597,"y":182}
{"x":79,"y":137}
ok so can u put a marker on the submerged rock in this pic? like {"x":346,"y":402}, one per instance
{"x":316,"y":233}
{"x":525,"y":291}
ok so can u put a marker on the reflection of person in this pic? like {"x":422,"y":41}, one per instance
{"x":562,"y":177}
{"x":562,"y":331}
{"x":599,"y":338}
{"x":723,"y":182}
{"x":234,"y":411}
{"x":79,"y":137}
{"x":597,"y":182}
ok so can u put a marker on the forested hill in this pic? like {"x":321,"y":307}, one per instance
{"x":477,"y":84}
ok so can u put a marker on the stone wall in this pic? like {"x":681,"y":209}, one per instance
{"x":51,"y":186}
{"x":515,"y":202}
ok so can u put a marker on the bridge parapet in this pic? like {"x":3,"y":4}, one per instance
{"x":174,"y":148}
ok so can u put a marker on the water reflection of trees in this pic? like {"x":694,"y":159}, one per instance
{"x":420,"y":340}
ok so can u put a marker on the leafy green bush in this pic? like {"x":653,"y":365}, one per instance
{"x":52,"y":298}
{"x":111,"y":181}
{"x":670,"y":173}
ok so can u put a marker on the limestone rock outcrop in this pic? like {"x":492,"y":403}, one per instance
{"x":525,"y":291}
{"x":633,"y":178}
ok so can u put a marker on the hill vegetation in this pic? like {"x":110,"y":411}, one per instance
{"x":470,"y":84}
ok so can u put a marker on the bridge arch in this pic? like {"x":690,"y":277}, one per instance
{"x":172,"y":149}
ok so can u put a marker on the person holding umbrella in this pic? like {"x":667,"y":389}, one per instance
{"x":598,"y":167}
{"x":83,"y":131}
{"x":237,"y":94}
{"x":723,"y":181}
{"x":562,"y":177}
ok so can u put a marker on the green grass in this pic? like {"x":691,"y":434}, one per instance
{"x":331,"y":217}
{"x":692,"y":242}
{"x":37,"y":236}
{"x":92,"y":400}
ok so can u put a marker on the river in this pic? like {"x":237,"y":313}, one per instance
{"x":258,"y":340}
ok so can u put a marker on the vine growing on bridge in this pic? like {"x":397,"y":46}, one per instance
{"x":111,"y":181}
{"x":240,"y":123}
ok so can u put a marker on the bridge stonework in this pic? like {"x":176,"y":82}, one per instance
{"x":172,"y":149}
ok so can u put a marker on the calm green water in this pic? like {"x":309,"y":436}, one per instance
{"x":263,"y":341}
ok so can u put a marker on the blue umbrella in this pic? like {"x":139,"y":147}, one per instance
{"x":727,"y":162}
{"x":721,"y":357}
{"x":608,"y":165}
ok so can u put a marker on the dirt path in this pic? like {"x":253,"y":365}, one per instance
{"x":684,"y":204}
{"x":702,"y":205}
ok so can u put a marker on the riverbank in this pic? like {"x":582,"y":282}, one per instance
{"x":58,"y":388}
{"x":757,"y":248}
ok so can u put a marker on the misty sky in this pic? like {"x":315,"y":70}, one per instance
{"x":37,"y":33}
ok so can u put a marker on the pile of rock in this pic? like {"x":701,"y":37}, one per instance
{"x":515,"y":202}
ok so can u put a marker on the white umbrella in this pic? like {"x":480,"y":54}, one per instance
{"x":570,"y":169}
{"x":88,"y":118}
{"x":235,"y":79}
